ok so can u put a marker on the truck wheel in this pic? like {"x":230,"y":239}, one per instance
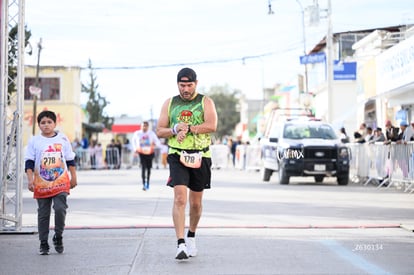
{"x":343,"y":180}
{"x":267,"y":173}
{"x":283,"y":179}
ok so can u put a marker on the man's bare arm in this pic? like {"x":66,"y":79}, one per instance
{"x":164,"y":129}
{"x":210,"y":118}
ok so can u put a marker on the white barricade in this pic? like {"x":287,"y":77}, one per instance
{"x":364,"y":161}
{"x":219,"y":156}
{"x":359,"y":162}
{"x":402,"y":171}
{"x":378,"y":162}
{"x":352,"y":161}
{"x":410,"y":187}
{"x":386,"y":165}
{"x":381,"y":159}
{"x":127,"y":156}
{"x":83,"y":160}
{"x":99,"y":160}
{"x":253,"y":159}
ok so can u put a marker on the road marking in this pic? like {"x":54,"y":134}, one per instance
{"x":353,"y":258}
{"x":240,"y":226}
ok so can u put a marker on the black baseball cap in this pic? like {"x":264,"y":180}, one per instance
{"x":188,"y":73}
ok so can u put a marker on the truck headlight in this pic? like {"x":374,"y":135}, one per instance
{"x":343,"y":152}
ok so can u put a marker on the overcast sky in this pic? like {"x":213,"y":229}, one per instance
{"x":139,"y":45}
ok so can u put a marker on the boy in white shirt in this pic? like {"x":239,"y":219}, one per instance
{"x":51,"y":172}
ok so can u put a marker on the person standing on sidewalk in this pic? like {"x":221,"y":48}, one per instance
{"x":51,"y":172}
{"x":144,"y":142}
{"x":164,"y":153}
{"x":187,"y":121}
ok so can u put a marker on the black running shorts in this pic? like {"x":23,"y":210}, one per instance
{"x":195,"y":179}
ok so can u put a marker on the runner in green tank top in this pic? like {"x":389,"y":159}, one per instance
{"x":191,"y":113}
{"x":187,"y":120}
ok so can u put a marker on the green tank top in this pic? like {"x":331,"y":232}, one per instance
{"x":191,"y":112}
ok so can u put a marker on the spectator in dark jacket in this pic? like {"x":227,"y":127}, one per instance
{"x":391,"y":132}
{"x":378,"y":136}
{"x":358,"y":138}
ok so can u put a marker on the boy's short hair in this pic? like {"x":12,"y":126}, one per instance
{"x":48,"y":114}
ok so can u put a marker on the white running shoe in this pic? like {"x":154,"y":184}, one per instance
{"x":182,"y":253}
{"x":191,"y":247}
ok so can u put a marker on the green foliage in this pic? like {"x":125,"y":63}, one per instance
{"x":226,"y":102}
{"x":96,"y":103}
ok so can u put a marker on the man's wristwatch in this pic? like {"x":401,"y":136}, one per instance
{"x":189,"y":129}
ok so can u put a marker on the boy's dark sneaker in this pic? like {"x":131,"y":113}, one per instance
{"x":57,"y":242}
{"x":44,"y":248}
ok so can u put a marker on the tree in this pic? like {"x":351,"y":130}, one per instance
{"x":226,"y":102}
{"x":96,"y":103}
{"x":13,"y":52}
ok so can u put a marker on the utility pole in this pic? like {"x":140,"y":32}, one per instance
{"x":35,"y":94}
{"x":306,"y":89}
{"x":329,"y":65}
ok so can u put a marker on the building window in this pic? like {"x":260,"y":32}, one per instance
{"x":50,"y":88}
{"x":345,"y":44}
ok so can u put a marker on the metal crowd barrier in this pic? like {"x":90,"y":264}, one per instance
{"x":401,"y":156}
{"x":127,"y":158}
{"x":112,"y":158}
{"x":384,"y":165}
{"x":82,"y":159}
{"x":253,"y":157}
{"x":219,"y":156}
{"x":248,"y":157}
{"x":359,"y":162}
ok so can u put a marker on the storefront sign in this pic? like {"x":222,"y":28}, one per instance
{"x":395,"y":67}
{"x":313,"y":58}
{"x":344,"y":70}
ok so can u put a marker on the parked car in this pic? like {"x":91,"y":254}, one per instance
{"x":303,"y":147}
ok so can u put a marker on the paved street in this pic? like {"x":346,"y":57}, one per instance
{"x":248,"y":227}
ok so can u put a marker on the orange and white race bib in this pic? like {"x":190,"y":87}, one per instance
{"x":147,"y":150}
{"x":191,"y":160}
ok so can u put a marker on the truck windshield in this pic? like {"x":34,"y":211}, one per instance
{"x":302,"y":131}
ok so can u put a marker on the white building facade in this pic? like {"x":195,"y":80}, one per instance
{"x":373,"y":78}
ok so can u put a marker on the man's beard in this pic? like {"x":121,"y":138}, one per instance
{"x":187,"y":96}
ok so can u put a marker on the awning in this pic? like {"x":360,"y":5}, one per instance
{"x":125,"y":128}
{"x":399,"y":96}
{"x":95,"y":127}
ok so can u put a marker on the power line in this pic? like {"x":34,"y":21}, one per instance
{"x":216,"y":61}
